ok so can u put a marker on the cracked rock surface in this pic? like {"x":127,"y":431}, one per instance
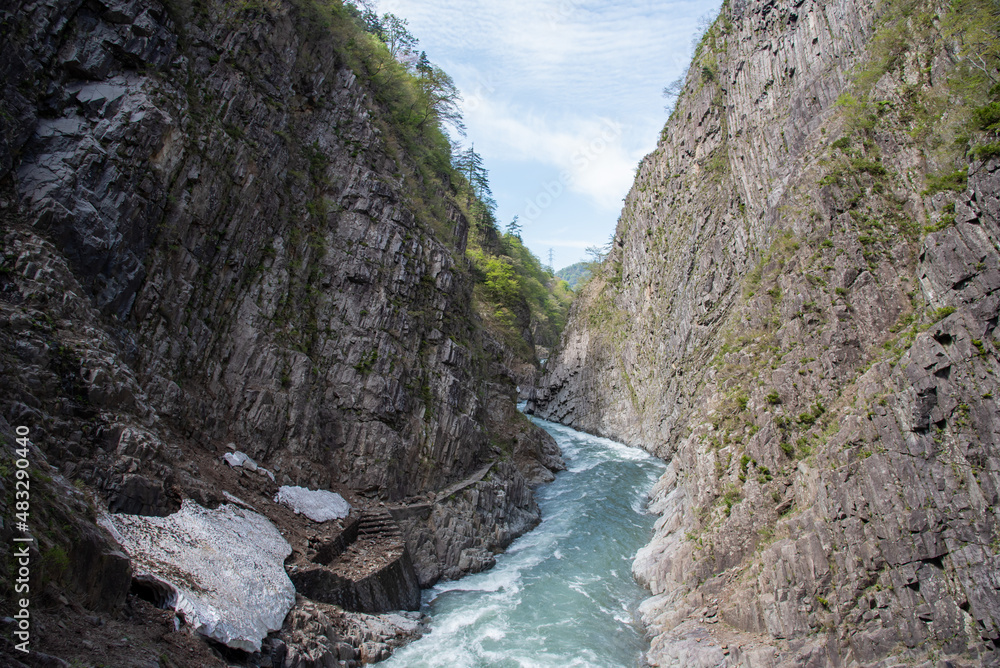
{"x":811,"y":343}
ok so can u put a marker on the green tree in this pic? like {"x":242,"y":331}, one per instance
{"x":975,"y":25}
{"x":396,"y":35}
{"x":470,"y":165}
{"x":484,"y":213}
{"x":597,"y":254}
{"x":363,"y":12}
{"x":392,"y":30}
{"x":441,"y":96}
{"x":423,"y":65}
{"x":514,"y":228}
{"x":501,"y":281}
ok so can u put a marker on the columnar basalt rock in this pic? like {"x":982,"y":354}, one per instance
{"x":214,"y":239}
{"x":809,"y":338}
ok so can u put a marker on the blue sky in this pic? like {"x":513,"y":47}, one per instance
{"x":562,"y":98}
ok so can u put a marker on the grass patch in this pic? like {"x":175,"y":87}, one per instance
{"x":955,"y":181}
{"x":942,"y":313}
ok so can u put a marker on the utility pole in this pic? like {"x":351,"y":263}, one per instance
{"x":551,"y":266}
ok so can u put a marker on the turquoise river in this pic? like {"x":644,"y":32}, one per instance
{"x":563,"y":594}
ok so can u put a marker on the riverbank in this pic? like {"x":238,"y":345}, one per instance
{"x":562,"y":594}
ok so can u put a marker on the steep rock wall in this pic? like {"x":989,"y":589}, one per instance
{"x":214,"y":237}
{"x":243,"y":211}
{"x":808,"y":338}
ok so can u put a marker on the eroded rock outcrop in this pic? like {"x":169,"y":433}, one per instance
{"x":316,"y":634}
{"x":466,"y":524}
{"x":806,"y":331}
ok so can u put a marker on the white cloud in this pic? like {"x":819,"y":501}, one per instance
{"x":587,"y":153}
{"x":586,"y":52}
{"x":542,"y":80}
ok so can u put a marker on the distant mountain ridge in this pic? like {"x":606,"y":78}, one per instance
{"x":575,"y":274}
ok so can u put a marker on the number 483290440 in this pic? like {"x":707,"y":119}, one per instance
{"x":22,"y":502}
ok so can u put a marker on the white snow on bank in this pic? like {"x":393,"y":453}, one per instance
{"x":317,"y":504}
{"x":241,"y":459}
{"x":235,"y":459}
{"x":223,"y":569}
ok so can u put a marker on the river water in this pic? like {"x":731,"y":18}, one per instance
{"x":563,"y":594}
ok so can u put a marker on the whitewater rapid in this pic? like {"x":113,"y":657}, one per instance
{"x":563,"y":594}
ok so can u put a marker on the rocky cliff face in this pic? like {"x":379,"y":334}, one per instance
{"x":216,"y":237}
{"x":806,"y":331}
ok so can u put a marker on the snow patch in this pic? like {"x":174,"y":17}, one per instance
{"x":222,"y":570}
{"x":317,"y":504}
{"x":241,"y":459}
{"x":235,"y":459}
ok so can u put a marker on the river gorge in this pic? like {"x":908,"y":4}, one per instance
{"x":562,"y":594}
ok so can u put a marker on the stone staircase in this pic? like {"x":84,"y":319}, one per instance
{"x":365,"y":568}
{"x":377,"y":524}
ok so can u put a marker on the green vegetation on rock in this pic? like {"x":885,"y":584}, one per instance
{"x":770,"y":318}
